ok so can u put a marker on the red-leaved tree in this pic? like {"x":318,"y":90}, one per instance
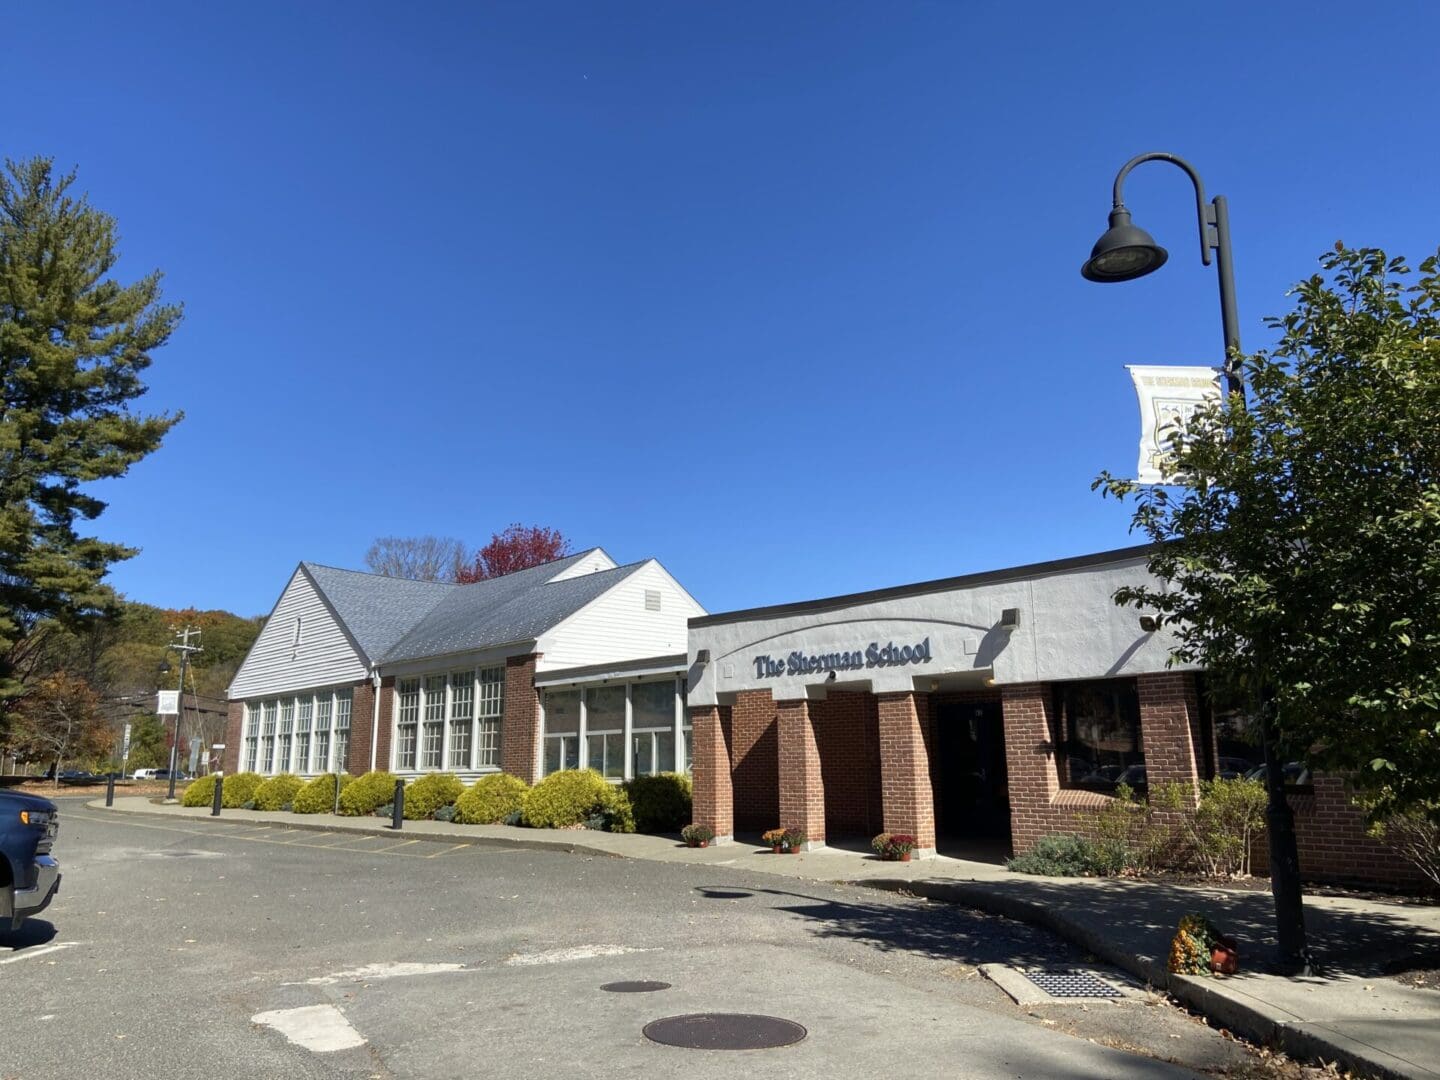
{"x":517,"y":548}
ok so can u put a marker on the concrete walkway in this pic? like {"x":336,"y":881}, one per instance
{"x":1371,"y":1025}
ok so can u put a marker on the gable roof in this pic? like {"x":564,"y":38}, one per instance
{"x":375,"y":611}
{"x":516,"y":607}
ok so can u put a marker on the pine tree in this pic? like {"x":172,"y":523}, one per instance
{"x":73,"y":344}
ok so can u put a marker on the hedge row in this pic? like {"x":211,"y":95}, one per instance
{"x":563,"y":800}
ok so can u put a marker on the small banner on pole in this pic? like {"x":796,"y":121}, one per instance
{"x":168,"y":703}
{"x":1169,"y":396}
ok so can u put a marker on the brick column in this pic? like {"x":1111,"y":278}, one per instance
{"x":907,"y":798}
{"x":234,"y":730}
{"x":714,"y":805}
{"x":1030,"y":760}
{"x":362,"y":718}
{"x":520,"y":728}
{"x":1170,"y":728}
{"x":802,"y":790}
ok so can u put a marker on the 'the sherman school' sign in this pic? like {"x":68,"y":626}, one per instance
{"x":872,"y":656}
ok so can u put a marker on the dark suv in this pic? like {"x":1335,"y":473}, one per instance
{"x":29,"y":875}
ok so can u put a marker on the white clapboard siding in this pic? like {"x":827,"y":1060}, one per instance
{"x":593,"y":561}
{"x":323,"y":657}
{"x":618,"y":625}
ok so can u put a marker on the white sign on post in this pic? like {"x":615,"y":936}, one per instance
{"x":168,"y":703}
{"x":125,"y":748}
{"x":1169,"y":396}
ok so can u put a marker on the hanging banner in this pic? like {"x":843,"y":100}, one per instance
{"x":167,"y":703}
{"x":1169,"y":396}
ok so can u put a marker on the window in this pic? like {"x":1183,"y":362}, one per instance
{"x":1099,"y":734}
{"x":462,"y":718}
{"x":562,"y":730}
{"x":252,"y":736}
{"x":432,"y":743}
{"x":306,"y":707}
{"x":652,"y":739}
{"x":342,"y":729}
{"x":324,"y":710}
{"x":407,"y":721}
{"x":287,"y":726}
{"x":491,"y":712}
{"x":267,"y":737}
{"x":605,"y":730}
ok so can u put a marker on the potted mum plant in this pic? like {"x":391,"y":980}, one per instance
{"x":901,"y":845}
{"x":697,"y":835}
{"x":794,"y":841}
{"x":881,"y":846}
{"x":775,"y":838}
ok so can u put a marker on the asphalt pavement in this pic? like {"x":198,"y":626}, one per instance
{"x":201,"y":949}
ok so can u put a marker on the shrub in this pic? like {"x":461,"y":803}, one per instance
{"x":661,"y":803}
{"x":773,"y":837}
{"x":276,"y":792}
{"x":880,"y":844}
{"x":794,"y":838}
{"x":1417,"y":838}
{"x":1065,"y":855}
{"x":445,"y":813}
{"x":695,"y":835}
{"x":901,"y":844}
{"x":318,"y":796}
{"x":199,"y":792}
{"x":432,"y":791}
{"x":365,"y":794}
{"x":572,"y":797}
{"x":490,"y":799}
{"x":240,"y":789}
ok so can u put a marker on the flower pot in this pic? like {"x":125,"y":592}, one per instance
{"x":904,"y":856}
{"x":703,"y":843}
{"x":775,"y":850}
{"x":1224,"y":958}
{"x":794,"y":851}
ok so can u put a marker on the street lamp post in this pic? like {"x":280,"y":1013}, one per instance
{"x":1126,"y":252}
{"x":184,"y":648}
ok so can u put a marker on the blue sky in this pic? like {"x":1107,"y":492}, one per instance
{"x":785,"y":295}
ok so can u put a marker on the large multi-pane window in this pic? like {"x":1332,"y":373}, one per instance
{"x":562,"y":730}
{"x":652,"y":739}
{"x":1099,"y":734}
{"x":298,"y":733}
{"x":433,"y":738}
{"x":491,"y":701}
{"x":605,"y":730}
{"x":462,"y":718}
{"x":407,"y":723}
{"x":620,"y":730}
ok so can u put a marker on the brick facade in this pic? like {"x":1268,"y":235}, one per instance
{"x":1170,"y":727}
{"x":714,"y":804}
{"x":905,"y":756}
{"x":802,"y":784}
{"x":520,"y":728}
{"x":754,"y":759}
{"x":234,"y":731}
{"x":847,"y":733}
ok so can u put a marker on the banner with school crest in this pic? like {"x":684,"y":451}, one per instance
{"x":1169,"y":396}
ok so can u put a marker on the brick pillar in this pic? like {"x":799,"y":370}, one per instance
{"x":1170,"y":728}
{"x":234,"y":732}
{"x":1030,"y":760}
{"x":362,"y":724}
{"x":714,"y":796}
{"x":520,"y":728}
{"x":907,"y":797}
{"x":802,"y":790}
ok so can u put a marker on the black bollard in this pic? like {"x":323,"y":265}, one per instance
{"x":110,"y":791}
{"x":397,"y":818}
{"x":219,"y":788}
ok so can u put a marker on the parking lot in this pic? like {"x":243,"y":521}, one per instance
{"x":185,"y":949}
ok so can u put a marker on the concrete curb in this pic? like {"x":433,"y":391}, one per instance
{"x":362,"y":827}
{"x":1245,"y":1015}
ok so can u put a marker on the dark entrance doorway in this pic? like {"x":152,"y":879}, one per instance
{"x":972,"y":791}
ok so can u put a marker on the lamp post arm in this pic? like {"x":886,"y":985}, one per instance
{"x":1204,"y":214}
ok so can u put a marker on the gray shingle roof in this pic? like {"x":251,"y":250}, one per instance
{"x":516,"y":607}
{"x":394,"y":619}
{"x":377,"y":611}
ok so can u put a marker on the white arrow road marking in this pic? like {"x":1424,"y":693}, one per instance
{"x":320,"y":1028}
{"x":580,"y":952}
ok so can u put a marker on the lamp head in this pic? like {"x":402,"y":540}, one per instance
{"x":1124,"y":253}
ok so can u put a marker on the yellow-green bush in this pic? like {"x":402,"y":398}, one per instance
{"x":239,"y":789}
{"x":318,"y":796}
{"x":367,"y":793}
{"x":428,"y":794}
{"x":277,"y":792}
{"x":661,"y":803}
{"x":490,"y":799}
{"x":578,"y":797}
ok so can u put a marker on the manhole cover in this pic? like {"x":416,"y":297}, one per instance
{"x":724,"y":1031}
{"x":640,"y":986}
{"x":1072,"y":984}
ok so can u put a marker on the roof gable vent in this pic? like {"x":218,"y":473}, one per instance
{"x":652,"y":599}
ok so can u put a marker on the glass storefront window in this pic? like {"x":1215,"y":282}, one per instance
{"x":1099,"y":734}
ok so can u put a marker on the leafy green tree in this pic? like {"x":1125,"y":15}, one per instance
{"x":73,"y":345}
{"x":1301,"y":553}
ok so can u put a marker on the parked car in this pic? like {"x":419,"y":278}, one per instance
{"x":164,"y":774}
{"x":31,"y":876}
{"x":144,"y":774}
{"x":1296,"y":774}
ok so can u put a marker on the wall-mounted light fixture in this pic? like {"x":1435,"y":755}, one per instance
{"x":1149,"y":624}
{"x":1010,"y":618}
{"x":702,"y":656}
{"x":830,"y":677}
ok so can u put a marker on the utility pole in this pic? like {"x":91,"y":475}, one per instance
{"x":184,"y":648}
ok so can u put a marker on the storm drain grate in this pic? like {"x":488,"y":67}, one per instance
{"x":635,"y":986}
{"x":724,"y":1031}
{"x":1072,"y":984}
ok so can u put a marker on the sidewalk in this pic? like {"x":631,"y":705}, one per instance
{"x":1371,"y":1025}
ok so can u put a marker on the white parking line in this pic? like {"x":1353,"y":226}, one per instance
{"x":43,"y":950}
